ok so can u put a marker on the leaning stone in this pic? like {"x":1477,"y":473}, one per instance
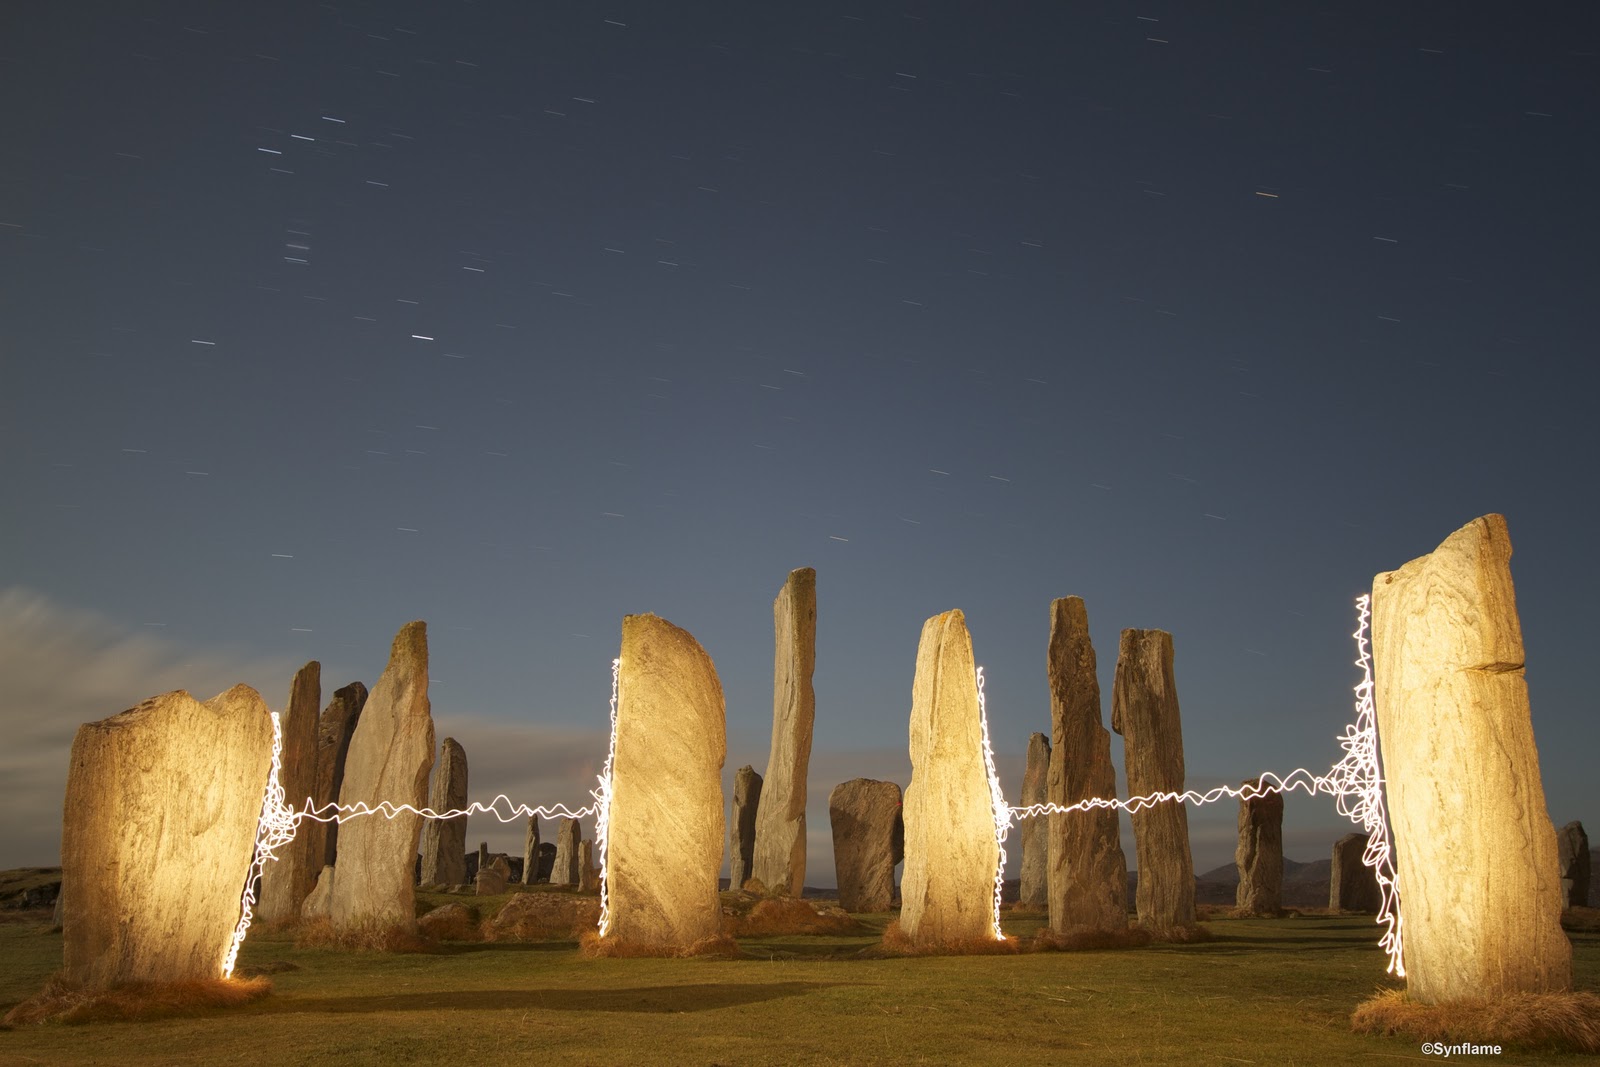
{"x":569,"y":833}
{"x":530,"y":852}
{"x":493,"y":878}
{"x":947,"y":892}
{"x":444,"y":841}
{"x":1481,"y":902}
{"x":1259,"y":854}
{"x":867,"y":827}
{"x":1035,"y":889}
{"x":158,"y":834}
{"x":334,"y":730}
{"x":289,"y":878}
{"x":389,"y":759}
{"x":1352,"y":885}
{"x":1572,"y":852}
{"x":742,"y":831}
{"x":780,"y":853}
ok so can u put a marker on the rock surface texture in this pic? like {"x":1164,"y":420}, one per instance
{"x":947,"y":891}
{"x":1144,"y":710}
{"x":1087,"y":873}
{"x":868,"y":840}
{"x":1259,"y":854}
{"x":492,"y":878}
{"x":664,"y":848}
{"x":158,"y":832}
{"x":289,"y":879}
{"x":742,"y":831}
{"x":1352,"y":885}
{"x":780,"y":856}
{"x":1481,"y":901}
{"x":567,"y":870}
{"x":1035,"y":883}
{"x":334,"y":730}
{"x":444,"y":841}
{"x":1572,"y":851}
{"x":389,"y":759}
{"x":319,"y":905}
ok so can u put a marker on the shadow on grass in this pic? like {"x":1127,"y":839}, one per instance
{"x":1225,"y":945}
{"x":663,"y":1000}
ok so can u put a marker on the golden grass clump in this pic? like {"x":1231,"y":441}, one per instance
{"x":363,"y":937}
{"x":1558,"y":1021}
{"x":61,"y":1002}
{"x":592,"y":946}
{"x":788,"y":915}
{"x":895,"y":943}
{"x":1085,"y":939}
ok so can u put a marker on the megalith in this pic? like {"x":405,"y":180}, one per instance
{"x":947,"y":890}
{"x":1259,"y":854}
{"x":742,"y":831}
{"x":444,"y":841}
{"x":390,"y":755}
{"x":530,"y":852}
{"x":588,"y":873}
{"x":1034,"y":889}
{"x":491,"y":878}
{"x":1572,"y":851}
{"x":780,"y":855}
{"x":1144,"y":710}
{"x":334,"y":730}
{"x":1482,"y":903}
{"x":1352,"y":885}
{"x":157,"y":837}
{"x":1087,"y":873}
{"x":868,"y":838}
{"x":569,"y":832}
{"x":289,"y":879}
{"x":664,"y":837}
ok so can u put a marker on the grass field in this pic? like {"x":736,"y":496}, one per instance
{"x":1274,"y":992}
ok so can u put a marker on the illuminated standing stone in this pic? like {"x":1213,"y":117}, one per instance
{"x":1035,"y":831}
{"x":1475,"y":854}
{"x":1144,"y":710}
{"x":1352,"y":885}
{"x":868,"y":840}
{"x":530,"y":852}
{"x":780,"y":856}
{"x":334,"y":730}
{"x":1259,"y":854}
{"x":947,"y":891}
{"x":742,"y":834}
{"x":289,"y":879}
{"x":389,"y":759}
{"x":664,"y":845}
{"x":1572,"y":849}
{"x":444,"y":841}
{"x":568,"y":836}
{"x":158,"y":831}
{"x":1087,"y":874}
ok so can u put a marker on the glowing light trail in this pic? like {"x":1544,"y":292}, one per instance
{"x":602,"y":803}
{"x":1002,"y":811}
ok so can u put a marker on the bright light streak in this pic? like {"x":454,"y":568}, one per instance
{"x":1002,"y":811}
{"x":275,"y":828}
{"x":602,"y":803}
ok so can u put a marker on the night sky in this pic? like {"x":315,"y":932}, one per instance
{"x":520,"y":317}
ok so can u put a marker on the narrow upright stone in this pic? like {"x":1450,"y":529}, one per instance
{"x":1572,"y":850}
{"x":1036,"y":831}
{"x":868,"y":839}
{"x":780,"y":854}
{"x":389,"y":759}
{"x":1352,"y":885}
{"x":742,"y":832}
{"x":1259,"y":854}
{"x":157,"y":835}
{"x":664,"y":844}
{"x":1482,"y":903}
{"x":1144,"y":710}
{"x":588,"y":875}
{"x":286,"y":882}
{"x":947,"y":892}
{"x":444,"y":841}
{"x":1087,"y":875}
{"x":334,"y":730}
{"x":530,"y":852}
{"x":567,"y":871}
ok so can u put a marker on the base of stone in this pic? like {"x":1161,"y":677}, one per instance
{"x":896,"y":943}
{"x":1088,"y":939}
{"x":592,"y":946}
{"x":59,"y":1001}
{"x":319,"y":932}
{"x":1568,"y":1022}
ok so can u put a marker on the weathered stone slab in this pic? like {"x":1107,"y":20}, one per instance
{"x":389,"y":759}
{"x":530,"y":852}
{"x":868,"y":838}
{"x":1144,"y":710}
{"x":1352,"y":885}
{"x":289,"y":879}
{"x":1482,"y":902}
{"x":664,"y":848}
{"x":158,"y":833}
{"x":1572,"y":851}
{"x":444,"y":841}
{"x":334,"y":730}
{"x":1259,"y":854}
{"x":1087,"y":876}
{"x":1035,"y":882}
{"x":947,"y":891}
{"x":492,"y":878}
{"x":569,"y":834}
{"x":780,"y":852}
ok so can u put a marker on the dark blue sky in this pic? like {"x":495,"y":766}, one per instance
{"x":520,"y":317}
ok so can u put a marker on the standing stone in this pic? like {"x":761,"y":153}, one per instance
{"x":1088,"y":873}
{"x":664,"y":848}
{"x":588,"y":875}
{"x":1352,"y":885}
{"x":1572,"y":851}
{"x":444,"y":841}
{"x":547,"y":861}
{"x":569,"y":833}
{"x":530,"y":852}
{"x":1035,"y":893}
{"x":1144,"y":710}
{"x":868,"y":837}
{"x":780,"y":854}
{"x":319,"y":905}
{"x":1475,"y":854}
{"x":492,"y":877}
{"x":947,"y":893}
{"x":158,"y":833}
{"x":286,"y":882}
{"x":389,"y":759}
{"x":742,"y":835}
{"x":483,"y":855}
{"x":334,"y":730}
{"x":1259,"y":854}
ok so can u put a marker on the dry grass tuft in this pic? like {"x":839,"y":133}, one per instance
{"x":1561,"y":1021}
{"x":364,"y":937}
{"x":895,"y":944}
{"x":1178,"y":935}
{"x":786,"y":915}
{"x":61,"y":1002}
{"x":1085,"y":939}
{"x":592,"y":946}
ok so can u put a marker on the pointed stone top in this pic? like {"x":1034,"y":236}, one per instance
{"x":413,"y":635}
{"x":452,"y":744}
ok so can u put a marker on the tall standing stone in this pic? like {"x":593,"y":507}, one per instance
{"x":1088,"y":873}
{"x":389,"y":759}
{"x":1144,"y":710}
{"x":742,"y":834}
{"x":780,"y":855}
{"x":334,"y":730}
{"x":444,"y":841}
{"x":289,"y":879}
{"x":530,"y":852}
{"x":947,"y":891}
{"x":1572,"y":851}
{"x":1481,"y":903}
{"x":1259,"y":854}
{"x":158,"y":832}
{"x":568,"y":871}
{"x":588,"y":874}
{"x":1035,"y":889}
{"x":1352,"y":885}
{"x":664,"y":843}
{"x":868,"y":838}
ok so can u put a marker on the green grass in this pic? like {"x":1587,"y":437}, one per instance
{"x":1263,"y":991}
